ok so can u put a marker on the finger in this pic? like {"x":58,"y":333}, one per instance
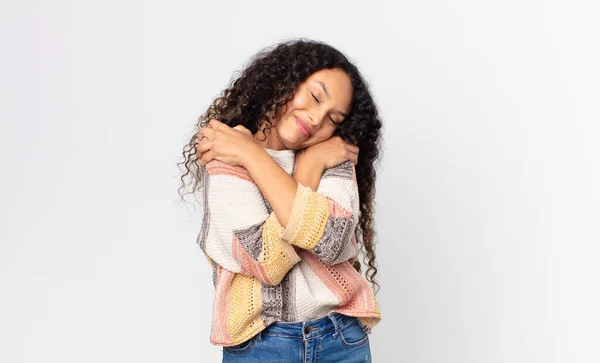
{"x":207,"y":132}
{"x":200,"y":139}
{"x":352,"y":157}
{"x":199,"y":155}
{"x":215,"y":124}
{"x":352,"y":151}
{"x":353,"y":148}
{"x":203,"y":147}
{"x":206,"y":158}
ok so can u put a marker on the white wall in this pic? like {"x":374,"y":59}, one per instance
{"x":488,"y":199}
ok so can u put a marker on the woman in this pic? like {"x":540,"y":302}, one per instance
{"x":288,"y":197}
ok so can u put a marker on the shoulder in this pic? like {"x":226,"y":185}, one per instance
{"x":344,"y":171}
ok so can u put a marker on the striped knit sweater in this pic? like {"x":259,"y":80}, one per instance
{"x":263,"y":272}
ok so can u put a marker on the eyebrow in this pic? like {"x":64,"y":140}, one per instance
{"x":327,"y":94}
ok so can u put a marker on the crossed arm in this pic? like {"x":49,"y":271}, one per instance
{"x":316,"y":209}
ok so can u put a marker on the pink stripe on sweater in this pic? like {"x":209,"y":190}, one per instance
{"x":220,"y":331}
{"x":362,"y":299}
{"x":216,"y":167}
{"x":251,"y":266}
{"x":337,"y":210}
{"x":352,"y":291}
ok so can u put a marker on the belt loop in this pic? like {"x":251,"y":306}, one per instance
{"x":259,"y":336}
{"x":335,"y":324}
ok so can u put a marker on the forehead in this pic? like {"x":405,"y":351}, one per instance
{"x":333,"y":78}
{"x":335,"y":83}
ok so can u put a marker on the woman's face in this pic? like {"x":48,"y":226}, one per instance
{"x":319,"y":105}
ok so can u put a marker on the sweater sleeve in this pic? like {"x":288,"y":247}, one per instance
{"x":324,"y":222}
{"x":238,"y":232}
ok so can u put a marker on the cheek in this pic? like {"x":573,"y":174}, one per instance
{"x":322,"y":136}
{"x":298,"y":102}
{"x":326,"y":133}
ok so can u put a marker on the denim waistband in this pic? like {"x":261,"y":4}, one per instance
{"x":308,"y":328}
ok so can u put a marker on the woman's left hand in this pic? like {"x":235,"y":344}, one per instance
{"x":218,"y":141}
{"x":329,"y":153}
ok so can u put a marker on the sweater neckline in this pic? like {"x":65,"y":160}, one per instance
{"x":281,"y":153}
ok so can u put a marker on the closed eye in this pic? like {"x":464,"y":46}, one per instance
{"x":316,"y":99}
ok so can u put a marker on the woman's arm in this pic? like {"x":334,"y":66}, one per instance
{"x":238,"y":232}
{"x":236,"y":146}
{"x":281,"y":189}
{"x":322,"y":221}
{"x":325,"y":206}
{"x":277,"y":186}
{"x":308,"y":172}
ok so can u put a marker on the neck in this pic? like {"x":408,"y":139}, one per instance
{"x":269,"y":139}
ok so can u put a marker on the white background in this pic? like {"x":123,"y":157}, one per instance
{"x":488,"y":196}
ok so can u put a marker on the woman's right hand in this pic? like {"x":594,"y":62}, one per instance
{"x":230,"y":145}
{"x":331,"y":153}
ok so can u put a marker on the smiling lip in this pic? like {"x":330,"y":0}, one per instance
{"x":302,"y":126}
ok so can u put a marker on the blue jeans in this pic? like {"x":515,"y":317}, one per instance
{"x":334,"y":338}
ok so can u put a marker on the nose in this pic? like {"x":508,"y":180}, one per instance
{"x":320,"y":115}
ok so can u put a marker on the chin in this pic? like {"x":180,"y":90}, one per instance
{"x":291,"y":146}
{"x":291,"y":142}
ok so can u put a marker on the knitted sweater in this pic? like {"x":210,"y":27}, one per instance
{"x":263,"y":272}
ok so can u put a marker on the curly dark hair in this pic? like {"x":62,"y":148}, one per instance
{"x":260,"y":94}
